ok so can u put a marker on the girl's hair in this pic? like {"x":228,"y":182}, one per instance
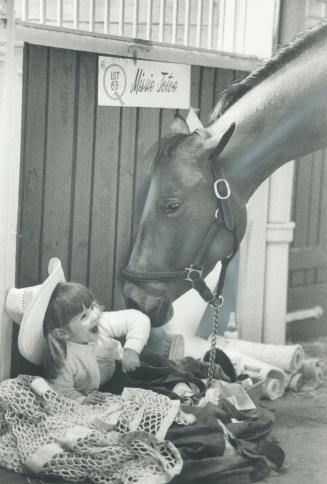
{"x":67,"y":301}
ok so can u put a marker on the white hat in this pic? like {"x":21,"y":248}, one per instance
{"x":27,"y":307}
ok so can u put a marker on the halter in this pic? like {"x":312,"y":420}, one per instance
{"x":194,"y":272}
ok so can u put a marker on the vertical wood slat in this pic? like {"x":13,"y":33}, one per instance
{"x":302,"y":197}
{"x":297,"y":278}
{"x":322,"y":275}
{"x":43,"y":11}
{"x":84,"y":138}
{"x":167,"y":116}
{"x":106,"y":16}
{"x":207,"y":93}
{"x":223,"y":79}
{"x":25,"y":5}
{"x":244,"y":25}
{"x":195,"y":86}
{"x":275,"y":26}
{"x":323,"y":214}
{"x":91,"y":15}
{"x":34,"y":131}
{"x":229,"y":25}
{"x":221,"y":25}
{"x":121,"y":17}
{"x":148,"y":129}
{"x":314,"y":214}
{"x":59,"y":12}
{"x":76,"y":14}
{"x":103,"y":221}
{"x":33,"y":155}
{"x":236,"y":24}
{"x":125,"y":202}
{"x":198,"y":24}
{"x":239,"y":26}
{"x":210,"y":24}
{"x":187,"y":22}
{"x":59,"y":155}
{"x":148,"y":20}
{"x":162,"y":13}
{"x":174,"y":22}
{"x":135,"y":18}
{"x":310,"y":276}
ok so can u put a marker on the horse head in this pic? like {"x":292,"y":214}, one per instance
{"x":193,"y":217}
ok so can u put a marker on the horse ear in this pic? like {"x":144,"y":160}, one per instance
{"x":179,"y":125}
{"x":222,"y":142}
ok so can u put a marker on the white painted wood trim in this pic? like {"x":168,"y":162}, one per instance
{"x":263,"y":274}
{"x":280,"y":232}
{"x":251,"y":280}
{"x":53,"y":36}
{"x":10,"y":135}
{"x":148,"y":20}
{"x":187,"y":12}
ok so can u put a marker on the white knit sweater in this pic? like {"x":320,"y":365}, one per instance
{"x":87,"y":366}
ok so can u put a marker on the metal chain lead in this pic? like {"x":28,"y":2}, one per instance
{"x":215,"y":328}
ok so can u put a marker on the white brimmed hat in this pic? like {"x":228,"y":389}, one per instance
{"x":27,"y":307}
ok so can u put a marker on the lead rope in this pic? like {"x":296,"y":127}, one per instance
{"x":217,"y":303}
{"x":215,"y":329}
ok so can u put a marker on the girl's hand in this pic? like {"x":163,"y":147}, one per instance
{"x":130,"y":360}
{"x":94,"y":398}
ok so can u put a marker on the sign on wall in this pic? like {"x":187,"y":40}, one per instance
{"x":126,"y":82}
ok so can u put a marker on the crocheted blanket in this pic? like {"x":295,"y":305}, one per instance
{"x":119,"y":441}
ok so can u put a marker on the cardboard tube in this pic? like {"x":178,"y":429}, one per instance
{"x":312,"y":374}
{"x":286,"y":357}
{"x":259,"y":371}
{"x":295,"y":382}
{"x":271,"y":389}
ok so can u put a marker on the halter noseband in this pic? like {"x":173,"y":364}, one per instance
{"x":194,"y":273}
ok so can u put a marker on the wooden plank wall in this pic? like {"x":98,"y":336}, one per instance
{"x":82,"y":171}
{"x":308,"y":253}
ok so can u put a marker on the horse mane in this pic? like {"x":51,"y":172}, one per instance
{"x":284,"y":55}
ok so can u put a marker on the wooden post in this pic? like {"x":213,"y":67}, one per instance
{"x":10,"y":134}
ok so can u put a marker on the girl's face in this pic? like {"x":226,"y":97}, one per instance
{"x":83,"y":328}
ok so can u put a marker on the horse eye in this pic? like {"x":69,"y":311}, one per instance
{"x":172,"y":207}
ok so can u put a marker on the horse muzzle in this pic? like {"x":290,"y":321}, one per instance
{"x":159,"y":310}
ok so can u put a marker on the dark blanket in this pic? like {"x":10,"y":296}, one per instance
{"x":159,"y":374}
{"x":202,"y":445}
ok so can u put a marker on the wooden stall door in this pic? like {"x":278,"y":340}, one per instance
{"x":83,"y":176}
{"x":308,"y":253}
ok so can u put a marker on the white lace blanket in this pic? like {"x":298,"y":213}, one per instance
{"x":119,"y":441}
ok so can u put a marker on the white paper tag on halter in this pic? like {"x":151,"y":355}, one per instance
{"x":193,"y":121}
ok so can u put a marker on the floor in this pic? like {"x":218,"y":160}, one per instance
{"x":300,"y":429}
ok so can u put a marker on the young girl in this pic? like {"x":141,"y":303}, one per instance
{"x":81,"y":350}
{"x":62,"y":327}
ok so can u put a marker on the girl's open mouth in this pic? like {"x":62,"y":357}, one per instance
{"x":94,"y":329}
